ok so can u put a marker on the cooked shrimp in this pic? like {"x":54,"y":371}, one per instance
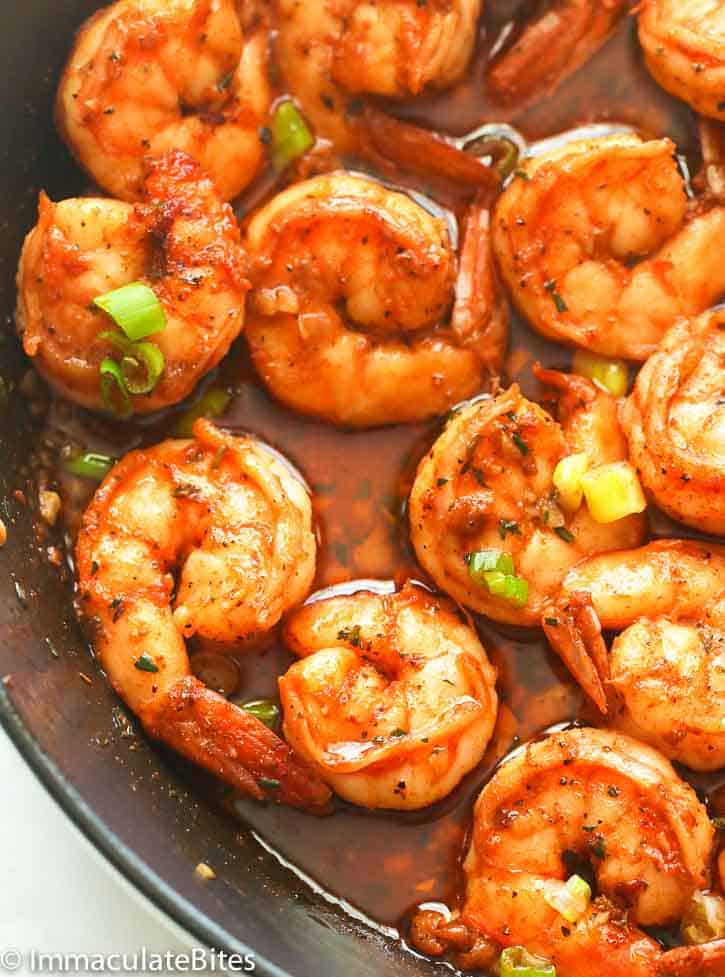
{"x":350,"y":317}
{"x":235,"y":523}
{"x":594,"y":243}
{"x":182,"y":241}
{"x":675,"y":423}
{"x":552,"y":47}
{"x":332,"y":50}
{"x":666,"y":671}
{"x":393,"y":700}
{"x":684,"y":47}
{"x":599,"y":798}
{"x":148,"y":76}
{"x":487,"y":484}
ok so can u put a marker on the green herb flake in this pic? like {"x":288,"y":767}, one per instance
{"x":520,"y":443}
{"x":506,"y":526}
{"x":269,"y":783}
{"x":146,"y":663}
{"x":563,"y":533}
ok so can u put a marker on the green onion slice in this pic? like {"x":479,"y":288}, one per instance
{"x":113,"y":389}
{"x":91,"y":464}
{"x":135,"y":309}
{"x":212,"y":403}
{"x":291,"y":136}
{"x":142,"y":367}
{"x":496,"y":571}
{"x":516,"y":961}
{"x":264,"y":710}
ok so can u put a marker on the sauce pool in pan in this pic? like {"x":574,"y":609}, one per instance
{"x":384,"y":865}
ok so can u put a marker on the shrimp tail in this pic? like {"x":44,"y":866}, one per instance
{"x":574,"y":632}
{"x":233,"y":745}
{"x":706,"y":960}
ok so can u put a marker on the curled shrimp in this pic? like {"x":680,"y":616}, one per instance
{"x":664,"y":677}
{"x":683,"y":48}
{"x":182,"y":241}
{"x":551,"y":47}
{"x":598,"y":800}
{"x":487,"y":484}
{"x":331,"y":51}
{"x":148,"y":76}
{"x":352,"y":316}
{"x":393,"y":700}
{"x":234,"y":524}
{"x":597,"y":249}
{"x":675,"y":423}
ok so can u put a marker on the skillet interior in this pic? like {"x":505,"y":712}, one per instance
{"x":130,"y":800}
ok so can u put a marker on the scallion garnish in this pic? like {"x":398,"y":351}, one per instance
{"x":212,"y":403}
{"x":146,"y":663}
{"x":264,"y":710}
{"x":496,"y":571}
{"x":91,"y":464}
{"x":113,"y":388}
{"x":291,"y":136}
{"x":142,"y":367}
{"x":516,"y":961}
{"x":135,"y":310}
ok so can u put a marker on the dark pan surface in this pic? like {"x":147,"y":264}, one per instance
{"x":125,"y":796}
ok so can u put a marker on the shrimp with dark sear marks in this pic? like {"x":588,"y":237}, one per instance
{"x":332,"y":51}
{"x":551,"y":47}
{"x":358,"y":313}
{"x":181,"y":241}
{"x":148,"y":76}
{"x":675,"y":423}
{"x":234,"y":525}
{"x":596,"y":798}
{"x":599,"y":249}
{"x":487,"y":485}
{"x":664,"y":678}
{"x":393,"y":700}
{"x":684,"y":48}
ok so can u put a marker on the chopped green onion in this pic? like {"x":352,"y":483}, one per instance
{"x":264,"y":710}
{"x":212,"y":403}
{"x":113,"y":388}
{"x":91,"y":464}
{"x":483,"y":561}
{"x":142,"y":367}
{"x":117,"y":338}
{"x":516,"y":961}
{"x":291,"y":136}
{"x":496,"y":570}
{"x":704,"y":919}
{"x":146,"y":663}
{"x":135,"y":309}
{"x":570,"y":899}
{"x":613,"y":375}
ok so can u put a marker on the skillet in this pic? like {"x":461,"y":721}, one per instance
{"x":131,"y":801}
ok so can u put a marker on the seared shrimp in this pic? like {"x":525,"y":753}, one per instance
{"x":393,"y":700}
{"x":148,"y":76}
{"x":350,"y":317}
{"x":487,"y":484}
{"x":684,"y":47}
{"x":666,"y":671}
{"x":675,"y":423}
{"x":331,"y":50}
{"x":602,"y":799}
{"x":594,"y":244}
{"x":236,"y":525}
{"x":552,"y":47}
{"x":182,"y":241}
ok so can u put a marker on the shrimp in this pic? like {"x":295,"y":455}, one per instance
{"x":595,"y":798}
{"x":683,"y":43}
{"x":666,"y":670}
{"x":595,"y":245}
{"x":148,"y":76}
{"x":487,"y":483}
{"x":182,"y":241}
{"x":675,"y":423}
{"x":350,"y":317}
{"x":393,"y":700}
{"x":550,"y":48}
{"x":332,"y":51}
{"x":235,"y":523}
